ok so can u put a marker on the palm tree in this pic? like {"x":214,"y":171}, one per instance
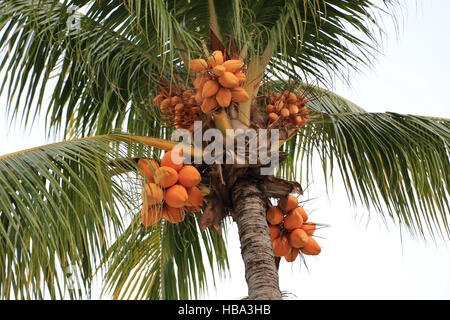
{"x":95,"y":67}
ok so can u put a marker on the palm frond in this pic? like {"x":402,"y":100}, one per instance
{"x":59,"y":209}
{"x":165,"y":261}
{"x":397,"y":164}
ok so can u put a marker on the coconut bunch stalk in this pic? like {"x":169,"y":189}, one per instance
{"x":170,"y":189}
{"x":287,"y":109}
{"x":290,"y":230}
{"x":218,"y":81}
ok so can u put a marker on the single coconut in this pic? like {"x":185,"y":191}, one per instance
{"x":293,"y":220}
{"x":298,"y":238}
{"x":309,"y":228}
{"x":302,"y":212}
{"x":173,"y":159}
{"x":166,"y":177}
{"x":148,"y":167}
{"x":195,"y":196}
{"x":151,"y":215}
{"x":176,"y":196}
{"x":189,"y":176}
{"x":281,"y":246}
{"x":173,"y":215}
{"x":274,"y":232}
{"x":311,"y":248}
{"x":292,"y":255}
{"x":153,"y":193}
{"x":274,"y":215}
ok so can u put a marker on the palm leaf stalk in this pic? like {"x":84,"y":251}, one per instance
{"x":68,"y":204}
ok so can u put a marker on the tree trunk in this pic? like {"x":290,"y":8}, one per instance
{"x":256,"y":247}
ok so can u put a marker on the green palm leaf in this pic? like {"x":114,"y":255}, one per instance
{"x":397,"y":164}
{"x":164,"y":261}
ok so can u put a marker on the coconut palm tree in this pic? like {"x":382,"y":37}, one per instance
{"x":98,"y":70}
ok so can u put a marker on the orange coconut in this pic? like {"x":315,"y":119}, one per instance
{"x":210,"y":88}
{"x":292,"y":255}
{"x":154,"y":194}
{"x":148,"y":167}
{"x":309,"y":228}
{"x":291,"y":203}
{"x":166,"y":176}
{"x":302,"y":212}
{"x":284,"y":113}
{"x":274,"y":232}
{"x":176,"y":196}
{"x":281,"y":246}
{"x":209,"y":104}
{"x":293,"y":220}
{"x":298,"y":238}
{"x":239,"y":95}
{"x":228,"y":80}
{"x":151,"y":215}
{"x":223,"y":97}
{"x":272,"y":116}
{"x":198,"y":65}
{"x":270,"y":108}
{"x":219,"y":70}
{"x":311,"y":248}
{"x":233,"y":65}
{"x":173,"y":160}
{"x":189,"y":176}
{"x":173,"y":215}
{"x":274,"y":215}
{"x":216,"y":58}
{"x":195,"y":196}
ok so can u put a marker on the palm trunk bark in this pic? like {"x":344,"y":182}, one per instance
{"x":256,"y":247}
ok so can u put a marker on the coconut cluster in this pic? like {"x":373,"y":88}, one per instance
{"x":218,"y":81}
{"x":287,"y":108}
{"x":182,"y":110}
{"x":290,"y":230}
{"x":170,"y":189}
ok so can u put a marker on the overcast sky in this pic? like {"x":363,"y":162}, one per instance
{"x":362,"y":258}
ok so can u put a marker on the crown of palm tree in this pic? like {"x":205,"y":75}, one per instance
{"x":92,"y":69}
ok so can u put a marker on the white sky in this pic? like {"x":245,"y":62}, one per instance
{"x":361,"y":259}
